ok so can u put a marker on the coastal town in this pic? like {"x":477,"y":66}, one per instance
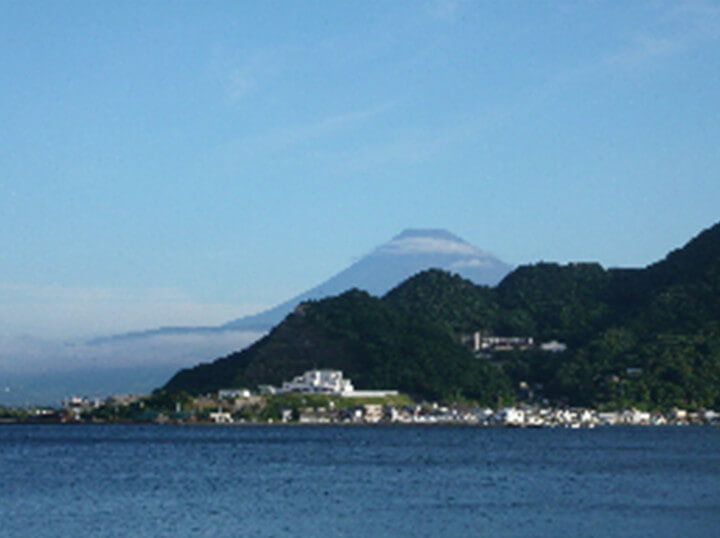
{"x":327,"y":397}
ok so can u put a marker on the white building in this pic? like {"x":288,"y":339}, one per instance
{"x":511,"y":416}
{"x":319,"y":382}
{"x":221,"y":417}
{"x":325,"y":382}
{"x":553,"y":346}
{"x":635,"y":416}
{"x":486,"y":342}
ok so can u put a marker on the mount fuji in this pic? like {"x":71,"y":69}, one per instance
{"x":410,"y":252}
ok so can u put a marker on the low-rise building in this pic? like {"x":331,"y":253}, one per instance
{"x":482,"y":342}
{"x":511,"y":416}
{"x":369,"y":394}
{"x":373,"y":413}
{"x":635,"y":416}
{"x":553,"y":346}
{"x":221,"y":417}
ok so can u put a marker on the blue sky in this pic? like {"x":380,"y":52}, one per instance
{"x":169,"y":163}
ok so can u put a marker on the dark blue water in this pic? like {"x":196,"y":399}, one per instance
{"x":358,"y":481}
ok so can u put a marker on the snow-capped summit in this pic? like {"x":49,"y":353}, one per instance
{"x":412,"y":241}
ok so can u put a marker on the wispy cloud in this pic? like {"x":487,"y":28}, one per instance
{"x":246,"y":72}
{"x":428,"y":245}
{"x":20,"y":354}
{"x":698,"y":20}
{"x":55,"y":311}
{"x":248,"y":75}
{"x":682,"y":27}
{"x":642,"y":49}
{"x":281,"y":138}
{"x":402,"y":146}
{"x":286,"y":136}
{"x":475,"y":263}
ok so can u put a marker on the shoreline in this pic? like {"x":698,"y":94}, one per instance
{"x":385,"y":424}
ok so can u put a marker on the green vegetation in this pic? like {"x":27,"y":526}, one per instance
{"x":644,"y":337}
{"x":13,"y":413}
{"x":177,"y":407}
{"x":275,"y":404}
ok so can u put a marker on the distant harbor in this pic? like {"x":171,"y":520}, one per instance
{"x":81,"y":411}
{"x":326,"y":397}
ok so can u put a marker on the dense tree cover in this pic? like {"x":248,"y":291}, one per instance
{"x":274,"y":405}
{"x":646,"y":337}
{"x":457,"y":304}
{"x":13,"y":413}
{"x":549,"y":301}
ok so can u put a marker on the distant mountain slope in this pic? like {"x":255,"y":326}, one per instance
{"x":408,"y":253}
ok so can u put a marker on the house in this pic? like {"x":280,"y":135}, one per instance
{"x":221,"y":417}
{"x":635,"y":417}
{"x":373,"y":413}
{"x":609,"y":418}
{"x":511,"y":416}
{"x":319,"y":415}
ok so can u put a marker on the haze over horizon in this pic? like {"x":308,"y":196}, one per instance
{"x":187,"y":164}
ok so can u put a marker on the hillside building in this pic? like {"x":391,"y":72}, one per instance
{"x":482,"y":342}
{"x":325,"y":382}
{"x":319,"y":382}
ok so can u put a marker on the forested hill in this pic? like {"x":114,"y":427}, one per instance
{"x":370,"y":341}
{"x":648,"y":337}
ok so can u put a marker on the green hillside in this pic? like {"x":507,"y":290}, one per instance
{"x":371,"y":342}
{"x":647,"y":337}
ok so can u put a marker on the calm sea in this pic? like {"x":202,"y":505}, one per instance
{"x":358,"y":481}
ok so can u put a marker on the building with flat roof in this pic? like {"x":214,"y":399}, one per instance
{"x":326,"y":382}
{"x":319,"y":382}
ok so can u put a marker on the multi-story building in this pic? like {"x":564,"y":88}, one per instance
{"x":319,"y":382}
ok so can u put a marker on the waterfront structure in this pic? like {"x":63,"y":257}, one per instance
{"x":332,"y":411}
{"x":511,"y":416}
{"x":221,"y":417}
{"x":373,"y":413}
